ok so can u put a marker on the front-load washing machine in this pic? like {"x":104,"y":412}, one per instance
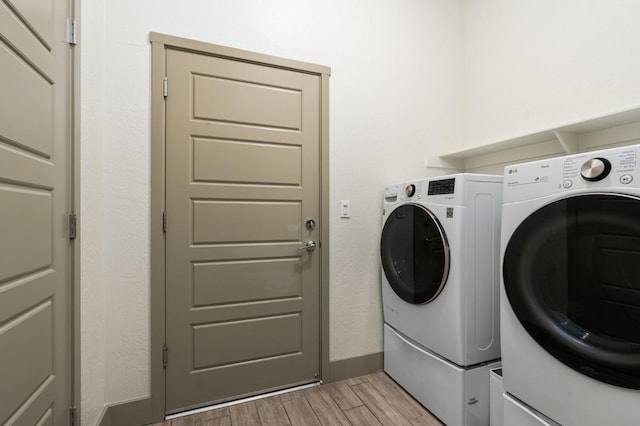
{"x":440,"y":286}
{"x":570,"y":293}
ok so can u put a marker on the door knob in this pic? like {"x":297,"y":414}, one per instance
{"x":310,"y":246}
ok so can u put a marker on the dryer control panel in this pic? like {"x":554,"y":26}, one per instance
{"x":610,"y":169}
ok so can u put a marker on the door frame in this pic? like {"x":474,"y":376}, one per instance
{"x":75,"y":206}
{"x":160,"y":43}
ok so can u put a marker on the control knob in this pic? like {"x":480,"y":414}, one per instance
{"x":595,"y":169}
{"x":410,"y":190}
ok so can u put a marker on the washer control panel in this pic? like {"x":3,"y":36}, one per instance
{"x":617,"y":167}
{"x":442,"y":187}
{"x":595,"y":169}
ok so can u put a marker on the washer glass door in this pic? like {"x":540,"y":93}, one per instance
{"x":572,"y":276}
{"x":414,"y":253}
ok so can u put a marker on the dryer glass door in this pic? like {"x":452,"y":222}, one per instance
{"x":572,"y":276}
{"x":414,"y":253}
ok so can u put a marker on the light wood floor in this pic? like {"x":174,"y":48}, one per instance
{"x":369,"y":400}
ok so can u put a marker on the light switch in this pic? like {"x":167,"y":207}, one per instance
{"x":345,"y":208}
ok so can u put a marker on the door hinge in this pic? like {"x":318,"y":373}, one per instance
{"x":165,"y":355}
{"x":73,"y":416}
{"x":165,"y":87}
{"x":164,"y":222}
{"x":72,"y":37}
{"x":72,"y":226}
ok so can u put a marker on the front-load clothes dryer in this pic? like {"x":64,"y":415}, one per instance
{"x":570,"y":301}
{"x":517,"y":413}
{"x":440,"y":286}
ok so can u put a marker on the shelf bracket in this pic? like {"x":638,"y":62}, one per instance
{"x":569,"y":141}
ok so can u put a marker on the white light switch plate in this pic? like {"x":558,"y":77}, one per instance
{"x":345,"y":208}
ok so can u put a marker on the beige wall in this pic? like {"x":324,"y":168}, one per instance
{"x":395,"y":95}
{"x":398,"y":94}
{"x":536,"y":65}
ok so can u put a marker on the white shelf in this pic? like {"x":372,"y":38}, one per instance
{"x":617,"y":128}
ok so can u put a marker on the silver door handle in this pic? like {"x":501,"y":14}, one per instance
{"x":310,"y":246}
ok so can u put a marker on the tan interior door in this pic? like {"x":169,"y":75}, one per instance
{"x":242,"y":180}
{"x":35,"y":386}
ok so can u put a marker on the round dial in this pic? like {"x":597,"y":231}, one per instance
{"x":410,"y":190}
{"x":595,"y":169}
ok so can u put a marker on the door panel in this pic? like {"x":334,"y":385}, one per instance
{"x":33,"y":46}
{"x":37,"y":16}
{"x":26,"y":96}
{"x":219,"y":161}
{"x":35,"y":386}
{"x":36,"y":209}
{"x":246,"y":340}
{"x":246,"y":281}
{"x":219,"y":222}
{"x":27,"y":370}
{"x":212,"y":97}
{"x":242,"y":177}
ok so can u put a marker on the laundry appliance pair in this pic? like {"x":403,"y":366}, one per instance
{"x":440,"y":290}
{"x":570,"y":293}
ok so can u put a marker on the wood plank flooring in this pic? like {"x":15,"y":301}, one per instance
{"x":369,"y":400}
